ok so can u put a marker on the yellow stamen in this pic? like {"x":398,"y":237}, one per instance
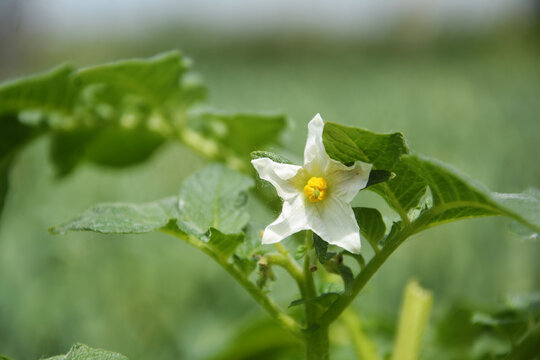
{"x":315,"y":189}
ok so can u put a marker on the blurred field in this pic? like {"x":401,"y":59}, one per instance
{"x":470,"y":102}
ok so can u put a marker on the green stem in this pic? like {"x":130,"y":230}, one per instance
{"x":291,"y":267}
{"x":267,"y":303}
{"x":317,"y":342}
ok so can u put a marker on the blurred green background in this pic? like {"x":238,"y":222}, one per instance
{"x":463,"y":88}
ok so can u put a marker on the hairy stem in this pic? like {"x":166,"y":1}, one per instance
{"x":268,"y":304}
{"x":317,"y":343}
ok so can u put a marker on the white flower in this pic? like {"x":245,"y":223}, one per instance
{"x":316,"y":196}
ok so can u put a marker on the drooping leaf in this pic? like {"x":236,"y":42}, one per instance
{"x":348,"y":144}
{"x":241,"y":133}
{"x":84,"y":352}
{"x":371,"y":225}
{"x":321,"y":248}
{"x":225,"y":244}
{"x":123,"y":218}
{"x":214,"y":197}
{"x":50,"y":92}
{"x":270,"y":155}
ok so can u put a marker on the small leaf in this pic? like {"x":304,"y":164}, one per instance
{"x":84,"y":352}
{"x":371,"y":225}
{"x":246,"y":265}
{"x":225,"y":244}
{"x":348,"y":144}
{"x":324,"y":300}
{"x":123,"y":218}
{"x":274,"y":157}
{"x":321,"y":248}
{"x":214,"y":197}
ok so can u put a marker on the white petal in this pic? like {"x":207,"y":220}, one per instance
{"x":315,"y":157}
{"x":333,"y":220}
{"x":279,"y":175}
{"x":346,"y":181}
{"x":291,"y":220}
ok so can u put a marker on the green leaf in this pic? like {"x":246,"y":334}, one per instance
{"x":123,"y":218}
{"x":155,"y":79}
{"x":123,"y":113}
{"x":225,"y":244}
{"x":84,"y":352}
{"x":241,"y":133}
{"x":214,"y":197}
{"x":371,"y":225}
{"x":324,"y":300}
{"x":274,"y":157}
{"x":321,"y":248}
{"x":348,"y":144}
{"x":405,"y":190}
{"x":378,"y":176}
{"x":525,"y":205}
{"x":51,"y":92}
{"x":4,"y":358}
{"x":452,"y":195}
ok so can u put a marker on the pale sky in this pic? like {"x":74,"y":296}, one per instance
{"x":126,"y":17}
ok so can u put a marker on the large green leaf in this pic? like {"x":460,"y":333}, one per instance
{"x":51,"y":92}
{"x":122,"y":218}
{"x":239,"y":134}
{"x":451,"y":196}
{"x":84,"y":352}
{"x":348,"y":144}
{"x":155,"y":79}
{"x":214,"y":197}
{"x":123,"y":114}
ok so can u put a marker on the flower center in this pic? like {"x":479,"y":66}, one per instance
{"x":315,"y":189}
